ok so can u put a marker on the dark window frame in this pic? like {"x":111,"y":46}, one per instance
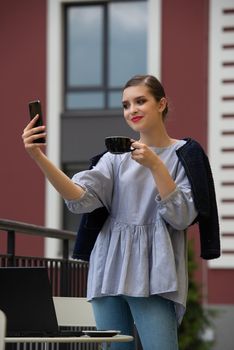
{"x":92,"y":88}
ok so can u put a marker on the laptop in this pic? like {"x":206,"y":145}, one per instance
{"x":26,"y":298}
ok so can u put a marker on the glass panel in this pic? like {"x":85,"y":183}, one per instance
{"x":127,"y":41}
{"x":78,"y":100}
{"x":84,"y":37}
{"x":115,"y":99}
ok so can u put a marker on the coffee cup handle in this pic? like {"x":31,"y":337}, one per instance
{"x":132,"y":149}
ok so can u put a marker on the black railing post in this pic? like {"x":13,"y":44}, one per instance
{"x":64,"y":280}
{"x":11,"y":247}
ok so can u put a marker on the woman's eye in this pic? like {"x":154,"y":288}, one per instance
{"x":141,"y":101}
{"x":125,"y":106}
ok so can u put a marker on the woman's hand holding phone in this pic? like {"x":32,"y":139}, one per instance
{"x":34,"y":139}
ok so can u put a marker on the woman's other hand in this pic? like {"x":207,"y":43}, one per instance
{"x":143,"y":155}
{"x":146,"y":157}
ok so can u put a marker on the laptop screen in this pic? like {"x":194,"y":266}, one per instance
{"x":26,"y":299}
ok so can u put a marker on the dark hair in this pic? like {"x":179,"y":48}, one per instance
{"x":153,"y":84}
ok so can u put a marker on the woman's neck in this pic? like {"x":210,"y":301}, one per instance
{"x":157,"y":139}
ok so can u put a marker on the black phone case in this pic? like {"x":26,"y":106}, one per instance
{"x":34,"y":109}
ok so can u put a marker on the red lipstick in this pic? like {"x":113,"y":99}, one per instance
{"x":136,"y":119}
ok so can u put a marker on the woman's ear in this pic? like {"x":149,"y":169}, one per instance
{"x":162,"y":104}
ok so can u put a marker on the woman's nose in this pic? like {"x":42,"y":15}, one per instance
{"x":133,"y":109}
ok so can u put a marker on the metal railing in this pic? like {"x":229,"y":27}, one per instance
{"x":68,"y":277}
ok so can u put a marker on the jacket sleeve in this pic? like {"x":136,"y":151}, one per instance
{"x":199,"y":173}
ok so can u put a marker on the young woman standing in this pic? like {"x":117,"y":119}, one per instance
{"x":138,"y":266}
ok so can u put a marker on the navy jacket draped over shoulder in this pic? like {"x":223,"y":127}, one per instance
{"x":198,"y":171}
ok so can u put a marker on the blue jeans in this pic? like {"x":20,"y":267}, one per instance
{"x":154,"y":318}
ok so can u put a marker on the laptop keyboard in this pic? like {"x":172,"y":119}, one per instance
{"x":60,"y":333}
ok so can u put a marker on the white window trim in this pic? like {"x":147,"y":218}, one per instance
{"x":217,"y":107}
{"x":54,"y":86}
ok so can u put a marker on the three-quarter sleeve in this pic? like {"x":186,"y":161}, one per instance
{"x":98,"y":186}
{"x":178,"y":208}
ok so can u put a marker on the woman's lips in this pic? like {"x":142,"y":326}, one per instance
{"x":136,"y":119}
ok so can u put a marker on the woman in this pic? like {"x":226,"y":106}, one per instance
{"x":138,"y":266}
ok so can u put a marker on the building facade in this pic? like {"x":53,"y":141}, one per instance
{"x":75,"y":56}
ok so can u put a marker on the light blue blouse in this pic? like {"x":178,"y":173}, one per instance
{"x":142,"y":247}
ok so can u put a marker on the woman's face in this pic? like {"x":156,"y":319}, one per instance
{"x":141,"y":111}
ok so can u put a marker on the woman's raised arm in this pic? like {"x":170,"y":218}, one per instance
{"x":60,"y":181}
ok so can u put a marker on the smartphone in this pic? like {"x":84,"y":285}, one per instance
{"x":34,"y":109}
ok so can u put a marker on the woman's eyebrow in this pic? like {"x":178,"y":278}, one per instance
{"x":135,"y":98}
{"x":139,"y":97}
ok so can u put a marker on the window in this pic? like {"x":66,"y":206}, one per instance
{"x":105,"y":43}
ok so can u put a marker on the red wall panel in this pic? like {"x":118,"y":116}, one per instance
{"x":23,"y":67}
{"x":184,"y":74}
{"x":221,"y":286}
{"x":184,"y":66}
